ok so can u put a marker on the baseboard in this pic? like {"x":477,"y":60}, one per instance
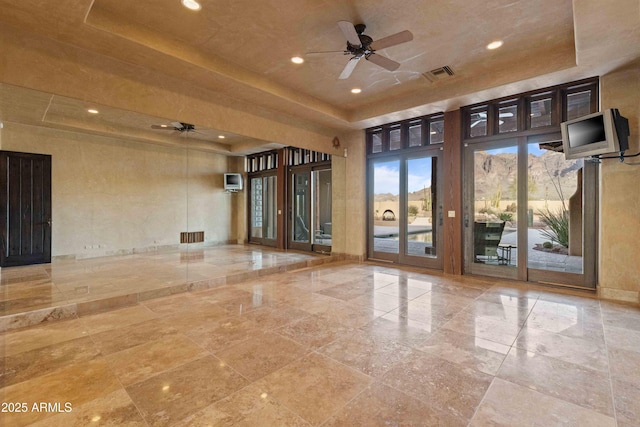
{"x":619,"y":295}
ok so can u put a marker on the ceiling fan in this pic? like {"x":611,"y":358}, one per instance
{"x":360,"y":45}
{"x":482,"y":117}
{"x":176,"y":126}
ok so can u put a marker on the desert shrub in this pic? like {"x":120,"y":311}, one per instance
{"x":486,"y":210}
{"x":558,"y":223}
{"x":505,"y":216}
{"x":413,"y":210}
{"x":547,"y":245}
{"x":511,"y":208}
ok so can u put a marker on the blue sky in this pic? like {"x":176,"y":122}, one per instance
{"x":387,"y":180}
{"x":387,"y":176}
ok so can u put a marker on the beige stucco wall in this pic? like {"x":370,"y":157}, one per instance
{"x":620,"y":195}
{"x":354,"y":219}
{"x":115,"y":196}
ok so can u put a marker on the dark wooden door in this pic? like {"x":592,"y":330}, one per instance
{"x":25,"y":214}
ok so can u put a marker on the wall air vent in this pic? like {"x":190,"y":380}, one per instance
{"x":439,"y":74}
{"x":192,"y":237}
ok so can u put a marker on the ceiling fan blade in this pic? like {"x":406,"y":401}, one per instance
{"x":476,"y":123}
{"x":162,"y":127}
{"x":177,"y":125}
{"x":325,"y":51}
{"x":508,"y":114}
{"x":384,"y":62}
{"x":349,"y":32}
{"x":385,"y":42}
{"x":349,"y":68}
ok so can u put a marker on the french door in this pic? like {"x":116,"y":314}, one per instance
{"x":529,"y":213}
{"x":310,"y":227}
{"x":405,"y":212}
{"x":263,"y":209}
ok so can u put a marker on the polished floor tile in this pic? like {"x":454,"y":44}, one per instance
{"x":42,"y":335}
{"x":314,"y":387}
{"x":146,"y":360}
{"x":368,"y":354}
{"x":574,"y":383}
{"x":333,"y":345}
{"x":483,"y":327}
{"x":585,"y":352}
{"x":508,"y":404}
{"x":261,"y":354}
{"x":26,"y":365}
{"x":383,"y":406}
{"x":466,"y":350}
{"x":119,"y":339}
{"x":626,"y":396}
{"x":76,"y":384}
{"x":114,"y":409}
{"x":248,"y":407}
{"x":449,"y":387}
{"x":117,"y":318}
{"x":171,"y":396}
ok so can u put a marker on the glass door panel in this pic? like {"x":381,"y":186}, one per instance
{"x":494,"y":221}
{"x":321,"y":207}
{"x":421,"y":206}
{"x":270,"y":207}
{"x":555,"y":211}
{"x":552,"y":199}
{"x":386,"y":207}
{"x":256,"y":208}
{"x":301,"y":210}
{"x":263,"y":205}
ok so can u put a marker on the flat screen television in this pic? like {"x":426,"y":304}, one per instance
{"x":595,"y":134}
{"x":232,"y":181}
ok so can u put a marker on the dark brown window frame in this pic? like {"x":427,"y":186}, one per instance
{"x":384,"y":131}
{"x":558,"y":95}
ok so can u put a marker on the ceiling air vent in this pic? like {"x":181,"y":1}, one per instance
{"x":439,"y":74}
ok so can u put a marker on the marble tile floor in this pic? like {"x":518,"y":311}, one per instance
{"x":63,"y":288}
{"x":341,"y":344}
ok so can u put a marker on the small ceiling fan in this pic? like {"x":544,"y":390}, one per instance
{"x":482,"y":117}
{"x":176,"y":126}
{"x":361,"y":46}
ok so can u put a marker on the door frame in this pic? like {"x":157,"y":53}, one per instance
{"x":310,"y":245}
{"x":437,"y":220}
{"x":588,"y":278}
{"x":261,"y":240}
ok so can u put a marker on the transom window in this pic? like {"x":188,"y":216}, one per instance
{"x":531,"y":112}
{"x":408,"y":134}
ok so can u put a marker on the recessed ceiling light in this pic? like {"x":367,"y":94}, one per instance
{"x":433,"y":132}
{"x":191,"y":4}
{"x":356,"y":90}
{"x":297,"y":60}
{"x":92,"y":111}
{"x":221,"y":136}
{"x":494,"y":45}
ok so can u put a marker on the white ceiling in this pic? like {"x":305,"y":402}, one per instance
{"x":241,"y":50}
